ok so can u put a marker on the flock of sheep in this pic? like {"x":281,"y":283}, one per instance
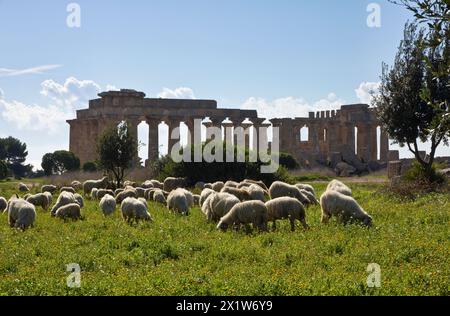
{"x":229,"y":204}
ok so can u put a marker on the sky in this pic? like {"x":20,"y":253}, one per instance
{"x":283,"y":58}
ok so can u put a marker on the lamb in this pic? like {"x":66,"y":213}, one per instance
{"x":204,"y":195}
{"x":108,"y":204}
{"x":21,"y":214}
{"x":256,"y":193}
{"x":79,"y":199}
{"x":125,"y":194}
{"x":158,"y":196}
{"x":307,"y":187}
{"x":71,"y":210}
{"x":23,"y":187}
{"x":3,"y":204}
{"x":171,"y":183}
{"x":280,"y":189}
{"x":178,"y":202}
{"x":344,"y":207}
{"x":67,"y":189}
{"x":100,"y":193}
{"x":218,"y":205}
{"x":49,"y":188}
{"x":241,"y":194}
{"x":249,"y":212}
{"x":88,"y":185}
{"x":39,"y":199}
{"x":63,"y":199}
{"x":134,"y":210}
{"x":286,"y":208}
{"x":76,"y":185}
{"x":217,"y":186}
{"x":340,"y":187}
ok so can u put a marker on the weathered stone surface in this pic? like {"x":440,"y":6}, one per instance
{"x":343,"y":169}
{"x":394,"y":169}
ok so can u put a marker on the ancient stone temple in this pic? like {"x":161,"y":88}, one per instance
{"x":348,"y":131}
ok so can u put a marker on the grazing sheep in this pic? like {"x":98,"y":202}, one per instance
{"x":171,"y":183}
{"x":256,"y":193}
{"x":306,"y":187}
{"x":72,"y":211}
{"x":196,"y":199}
{"x":76,"y":185}
{"x":158,"y":196}
{"x":340,"y":187}
{"x":218,"y":205}
{"x":117,"y":191}
{"x":260,"y":183}
{"x":189,"y":196}
{"x":200,"y":185}
{"x":94,"y":194}
{"x":3,"y":204}
{"x":217,"y":186}
{"x":244,"y":185}
{"x":342,"y":206}
{"x":39,"y":199}
{"x":21,"y":214}
{"x":311,"y":197}
{"x":134,"y":210}
{"x":280,"y":189}
{"x":107,"y":204}
{"x":208,"y":186}
{"x":147,"y":184}
{"x":140,"y":192}
{"x":204,"y":195}
{"x":148,"y":194}
{"x":88,"y":185}
{"x":286,"y":208}
{"x":64,"y":198}
{"x":79,"y":199}
{"x":157,"y":184}
{"x":102,"y":192}
{"x":49,"y":197}
{"x":23,"y":187}
{"x":49,"y":188}
{"x":129,"y":183}
{"x":232,"y":184}
{"x":125,"y":194}
{"x":241,"y":194}
{"x":249,"y":212}
{"x":67,"y":189}
{"x":178,"y":202}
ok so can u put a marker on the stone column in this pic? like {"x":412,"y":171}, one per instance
{"x":384,"y":145}
{"x":173,"y":124}
{"x":217,"y":123}
{"x":132,"y":125}
{"x":263,"y":139}
{"x":246,"y":127}
{"x":208,"y":126}
{"x":373,"y":143}
{"x":153,"y":139}
{"x":190,"y":125}
{"x":350,"y":135}
{"x":257,"y":123}
{"x":314,"y":137}
{"x":228,"y":127}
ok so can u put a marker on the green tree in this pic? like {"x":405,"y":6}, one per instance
{"x":14,"y":153}
{"x":59,"y":162}
{"x":3,"y":170}
{"x":116,"y":150}
{"x":90,"y":166}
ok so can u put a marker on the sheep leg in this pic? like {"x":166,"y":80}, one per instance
{"x":305,"y":225}
{"x":292,"y":221}
{"x":274,"y":226}
{"x":325,"y":217}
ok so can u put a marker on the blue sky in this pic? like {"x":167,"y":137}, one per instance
{"x":272,"y":55}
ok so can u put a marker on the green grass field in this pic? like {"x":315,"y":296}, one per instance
{"x":186,"y":256}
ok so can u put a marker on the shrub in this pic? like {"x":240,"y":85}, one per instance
{"x":288,"y":161}
{"x":3,"y":170}
{"x":90,"y":166}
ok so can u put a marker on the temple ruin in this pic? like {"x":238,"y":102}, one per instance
{"x":352,"y":130}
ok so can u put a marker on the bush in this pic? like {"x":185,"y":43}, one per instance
{"x":90,"y":166}
{"x":417,"y":173}
{"x":217,"y":171}
{"x":3,"y":170}
{"x":288,"y":161}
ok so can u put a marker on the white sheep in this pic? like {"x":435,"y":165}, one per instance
{"x":307,"y":187}
{"x":100,"y":193}
{"x":260,"y":183}
{"x":204,"y":195}
{"x":231,"y":183}
{"x":72,"y":211}
{"x":108,"y":204}
{"x":256,"y":192}
{"x":171,"y":183}
{"x":242,"y":194}
{"x":117,"y":191}
{"x":125,"y":194}
{"x":178,"y":202}
{"x":157,"y":184}
{"x":49,"y":188}
{"x":342,"y":206}
{"x":249,"y":212}
{"x":134,"y":210}
{"x":129,"y":183}
{"x":3,"y":204}
{"x":76,"y":185}
{"x":93,"y":194}
{"x":63,"y":199}
{"x":23,"y":187}
{"x":88,"y":185}
{"x":218,"y":205}
{"x":158,"y":196}
{"x":49,"y":197}
{"x":140,"y":192}
{"x":67,"y":189}
{"x":79,"y":199}
{"x":217,"y":186}
{"x":286,"y":208}
{"x":21,"y":214}
{"x":189,"y":196}
{"x":340,"y":187}
{"x":280,"y":189}
{"x":147,"y":184}
{"x":311,"y":197}
{"x":39,"y":199}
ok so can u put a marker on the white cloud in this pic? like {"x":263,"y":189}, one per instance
{"x":291,"y":106}
{"x":178,"y":93}
{"x":5,"y":72}
{"x":2,"y":94}
{"x":73,"y":94}
{"x":366,"y":90}
{"x":33,"y":117}
{"x":110,"y":87}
